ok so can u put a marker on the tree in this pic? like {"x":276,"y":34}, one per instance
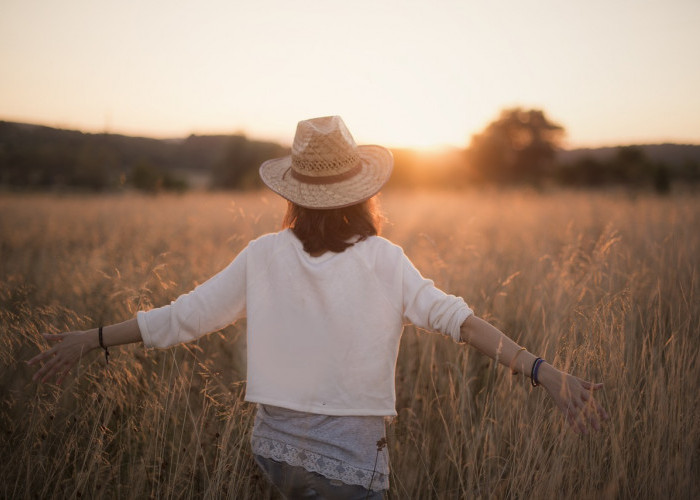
{"x":238,"y":167}
{"x":518,"y":146}
{"x":147,"y":177}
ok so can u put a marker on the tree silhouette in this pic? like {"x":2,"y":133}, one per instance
{"x":518,"y":146}
{"x":238,"y":167}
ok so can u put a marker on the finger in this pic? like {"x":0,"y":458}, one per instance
{"x":595,"y":406}
{"x":601,"y":411}
{"x":39,"y":358}
{"x":39,"y":373}
{"x":581,"y":422}
{"x":48,"y":376}
{"x":572,"y":414}
{"x":42,"y":355}
{"x":36,"y":358}
{"x":45,"y":372}
{"x":577,"y":419}
{"x":48,"y":352}
{"x":592,"y":416}
{"x":580,"y":426}
{"x":572,"y":422}
{"x":591,"y":386}
{"x":62,"y":375}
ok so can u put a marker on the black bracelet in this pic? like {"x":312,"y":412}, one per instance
{"x":534,"y":370}
{"x":99,"y":334}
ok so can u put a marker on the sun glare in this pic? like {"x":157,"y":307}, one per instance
{"x":417,"y":135}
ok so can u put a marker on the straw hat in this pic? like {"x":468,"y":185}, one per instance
{"x":326,"y":168}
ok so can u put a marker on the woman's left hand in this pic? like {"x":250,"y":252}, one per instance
{"x":575,"y":398}
{"x":67,"y":350}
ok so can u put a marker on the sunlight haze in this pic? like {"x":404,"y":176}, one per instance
{"x":401,"y":73}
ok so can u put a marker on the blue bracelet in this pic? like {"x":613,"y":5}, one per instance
{"x":533,"y":372}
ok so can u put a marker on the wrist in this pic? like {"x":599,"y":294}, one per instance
{"x":91,"y":340}
{"x":548,"y":376}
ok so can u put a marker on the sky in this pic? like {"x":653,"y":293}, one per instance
{"x":400,"y":73}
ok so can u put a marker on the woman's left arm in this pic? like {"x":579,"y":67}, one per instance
{"x":573,"y":396}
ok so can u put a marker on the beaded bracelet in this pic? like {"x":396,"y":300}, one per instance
{"x":533,"y":372}
{"x":99,"y":335}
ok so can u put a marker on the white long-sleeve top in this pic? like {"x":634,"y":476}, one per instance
{"x":323,"y":332}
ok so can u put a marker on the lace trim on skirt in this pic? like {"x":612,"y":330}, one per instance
{"x":328,"y":467}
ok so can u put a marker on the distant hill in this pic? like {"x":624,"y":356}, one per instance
{"x":39,"y":157}
{"x":673,"y":155}
{"x":36,"y":156}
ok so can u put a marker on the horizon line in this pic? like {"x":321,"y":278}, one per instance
{"x":429,"y":148}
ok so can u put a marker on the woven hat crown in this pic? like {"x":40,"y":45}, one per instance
{"x":323,"y":147}
{"x":326,"y":168}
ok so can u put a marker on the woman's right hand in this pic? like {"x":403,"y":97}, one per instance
{"x":67,"y":350}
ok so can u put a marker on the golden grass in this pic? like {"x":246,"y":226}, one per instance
{"x":602,"y":284}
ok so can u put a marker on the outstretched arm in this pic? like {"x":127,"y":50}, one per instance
{"x":69,"y":347}
{"x":212,"y":305}
{"x":573,"y":396}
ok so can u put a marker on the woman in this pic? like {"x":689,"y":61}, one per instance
{"x":325,"y":301}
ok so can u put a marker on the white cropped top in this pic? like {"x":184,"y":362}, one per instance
{"x":323,"y":332}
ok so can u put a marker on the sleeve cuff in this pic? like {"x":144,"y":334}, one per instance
{"x":460,"y":317}
{"x":143,"y":326}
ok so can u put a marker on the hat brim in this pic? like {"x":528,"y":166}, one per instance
{"x":377,"y":163}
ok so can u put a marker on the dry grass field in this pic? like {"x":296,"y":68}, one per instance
{"x":604,"y":284}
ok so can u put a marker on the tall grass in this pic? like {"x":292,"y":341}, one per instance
{"x":602,"y":284}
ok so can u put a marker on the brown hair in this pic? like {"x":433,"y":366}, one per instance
{"x":323,"y":230}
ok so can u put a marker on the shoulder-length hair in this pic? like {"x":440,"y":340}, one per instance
{"x":333,"y":229}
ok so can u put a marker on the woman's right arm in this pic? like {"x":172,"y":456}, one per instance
{"x":69,"y":347}
{"x":212,"y":305}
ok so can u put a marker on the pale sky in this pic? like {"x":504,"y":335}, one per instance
{"x":400,"y":73}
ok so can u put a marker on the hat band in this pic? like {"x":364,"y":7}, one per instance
{"x":328,"y":179}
